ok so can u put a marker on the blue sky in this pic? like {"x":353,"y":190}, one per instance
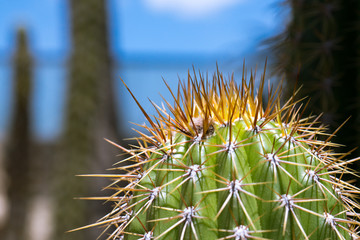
{"x":138,"y":26}
{"x":218,"y":28}
{"x":233,"y":28}
{"x":46,"y":21}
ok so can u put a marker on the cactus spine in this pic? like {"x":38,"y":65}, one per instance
{"x":221,"y":165}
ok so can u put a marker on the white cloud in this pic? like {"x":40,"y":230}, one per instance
{"x":190,"y":8}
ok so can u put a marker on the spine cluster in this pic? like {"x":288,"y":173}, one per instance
{"x":218,"y":164}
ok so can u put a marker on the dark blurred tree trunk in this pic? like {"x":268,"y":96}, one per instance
{"x":90,"y":118}
{"x":18,"y":144}
{"x":320,"y":49}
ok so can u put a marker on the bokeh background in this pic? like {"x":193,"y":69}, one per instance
{"x":61,"y":62}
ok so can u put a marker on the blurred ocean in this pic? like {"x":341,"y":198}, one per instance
{"x":143,"y":73}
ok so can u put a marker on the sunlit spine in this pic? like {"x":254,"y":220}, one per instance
{"x":219,"y":165}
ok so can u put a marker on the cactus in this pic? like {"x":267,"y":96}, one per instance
{"x":220,"y":164}
{"x":18,"y":163}
{"x":319,"y":45}
{"x":90,"y":116}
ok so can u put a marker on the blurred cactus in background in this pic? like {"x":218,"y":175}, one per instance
{"x":90,"y":116}
{"x":18,"y":145}
{"x":320,"y":48}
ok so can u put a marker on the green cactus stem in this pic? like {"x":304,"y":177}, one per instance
{"x":219,"y":164}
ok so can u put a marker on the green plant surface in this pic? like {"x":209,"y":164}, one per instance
{"x":219,"y":164}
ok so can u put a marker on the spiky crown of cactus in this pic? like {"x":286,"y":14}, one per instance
{"x":221,"y":165}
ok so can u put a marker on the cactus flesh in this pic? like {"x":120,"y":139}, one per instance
{"x":220,"y":164}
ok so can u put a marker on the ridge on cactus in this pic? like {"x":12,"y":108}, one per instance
{"x":220,"y":164}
